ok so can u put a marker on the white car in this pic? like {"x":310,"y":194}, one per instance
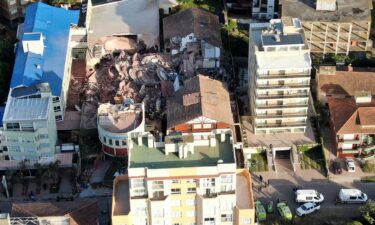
{"x":307,"y":208}
{"x":350,"y":166}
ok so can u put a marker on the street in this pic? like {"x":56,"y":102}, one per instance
{"x":282,"y":189}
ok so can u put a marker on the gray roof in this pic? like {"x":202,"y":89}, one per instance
{"x":347,"y":10}
{"x":290,"y":39}
{"x":139,"y":17}
{"x":200,"y":96}
{"x":204,"y":25}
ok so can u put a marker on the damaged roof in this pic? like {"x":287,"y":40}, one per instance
{"x":82,"y":212}
{"x":204,"y":25}
{"x":200,"y":96}
{"x":349,"y":117}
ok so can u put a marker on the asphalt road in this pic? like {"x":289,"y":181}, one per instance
{"x":283,"y":190}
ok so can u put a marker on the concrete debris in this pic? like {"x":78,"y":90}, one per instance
{"x":132,"y":75}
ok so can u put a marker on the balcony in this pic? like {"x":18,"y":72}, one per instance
{"x":353,"y":141}
{"x":158,"y":196}
{"x":284,"y":76}
{"x":277,"y":106}
{"x":282,"y":96}
{"x":269,"y":125}
{"x":282,"y":86}
{"x":283,"y":115}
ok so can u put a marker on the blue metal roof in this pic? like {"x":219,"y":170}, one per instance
{"x":2,"y":110}
{"x":54,"y":24}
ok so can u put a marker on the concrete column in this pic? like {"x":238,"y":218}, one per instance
{"x":140,"y":140}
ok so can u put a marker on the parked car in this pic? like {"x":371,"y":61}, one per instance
{"x":337,"y":168}
{"x":260,"y":211}
{"x":308,"y":195}
{"x":307,"y":208}
{"x":284,"y":211}
{"x":351,"y":196}
{"x":350,"y":166}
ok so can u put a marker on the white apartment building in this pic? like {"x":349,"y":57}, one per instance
{"x":279,"y":75}
{"x":263,"y":9}
{"x":29,"y":127}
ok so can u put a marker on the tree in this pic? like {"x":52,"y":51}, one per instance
{"x":53,"y":171}
{"x":38,"y":176}
{"x":368,"y":212}
{"x":354,"y":223}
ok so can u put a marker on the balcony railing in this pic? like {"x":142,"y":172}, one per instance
{"x":275,"y":96}
{"x":284,"y":86}
{"x":266,"y":125}
{"x":353,"y":141}
{"x":283,"y":115}
{"x":281,"y":76}
{"x":275,"y":106}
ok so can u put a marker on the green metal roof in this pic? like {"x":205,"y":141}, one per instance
{"x":154,"y":158}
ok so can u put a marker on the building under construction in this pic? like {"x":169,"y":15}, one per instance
{"x":333,"y":26}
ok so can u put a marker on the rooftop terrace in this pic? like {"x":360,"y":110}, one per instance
{"x":154,"y":158}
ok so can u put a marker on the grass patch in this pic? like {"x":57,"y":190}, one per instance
{"x":119,"y":165}
{"x":368,"y":179}
{"x":258,"y":162}
{"x":235,"y":39}
{"x":208,"y":5}
{"x":368,"y":167}
{"x":311,"y":157}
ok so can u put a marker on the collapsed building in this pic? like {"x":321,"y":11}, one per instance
{"x":193,"y":40}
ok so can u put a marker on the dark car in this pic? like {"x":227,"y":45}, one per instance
{"x":337,"y":168}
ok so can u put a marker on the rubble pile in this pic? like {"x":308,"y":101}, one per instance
{"x":136,"y":76}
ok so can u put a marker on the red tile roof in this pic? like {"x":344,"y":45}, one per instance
{"x":349,"y":117}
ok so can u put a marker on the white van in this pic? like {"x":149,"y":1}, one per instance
{"x":308,"y":195}
{"x":352,"y":196}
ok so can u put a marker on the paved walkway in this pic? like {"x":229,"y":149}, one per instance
{"x":99,"y":173}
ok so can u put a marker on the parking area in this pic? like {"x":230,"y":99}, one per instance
{"x":281,"y":188}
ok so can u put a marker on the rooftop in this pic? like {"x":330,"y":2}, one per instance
{"x":244,"y":196}
{"x":82,"y":212}
{"x":349,"y":117}
{"x":119,"y":119}
{"x":54,"y":24}
{"x":283,"y":62}
{"x":200,"y":96}
{"x":347,"y":10}
{"x":122,"y":198}
{"x":27,"y":103}
{"x":134,"y":17}
{"x":153,"y":158}
{"x":203,"y":24}
{"x":343,"y":81}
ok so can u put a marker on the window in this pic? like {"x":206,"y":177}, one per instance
{"x":105,"y":139}
{"x":191,"y":190}
{"x":13,"y":126}
{"x":117,"y":142}
{"x":141,"y":211}
{"x":157,"y":185}
{"x":59,"y":117}
{"x":157,"y":212}
{"x":176,"y":202}
{"x":191,"y":224}
{"x":138,"y":187}
{"x":176,"y":214}
{"x":207,"y":125}
{"x":209,"y":221}
{"x":192,"y":181}
{"x":190,"y":202}
{"x":14,"y":148}
{"x":176,"y":181}
{"x":55,"y":99}
{"x":175,"y":191}
{"x":197,"y":126}
{"x":29,"y":149}
{"x":208,"y":182}
{"x":57,"y":108}
{"x":110,"y":141}
{"x":246,"y":221}
{"x":226,"y":218}
{"x":190,"y":214}
{"x":123,"y":142}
